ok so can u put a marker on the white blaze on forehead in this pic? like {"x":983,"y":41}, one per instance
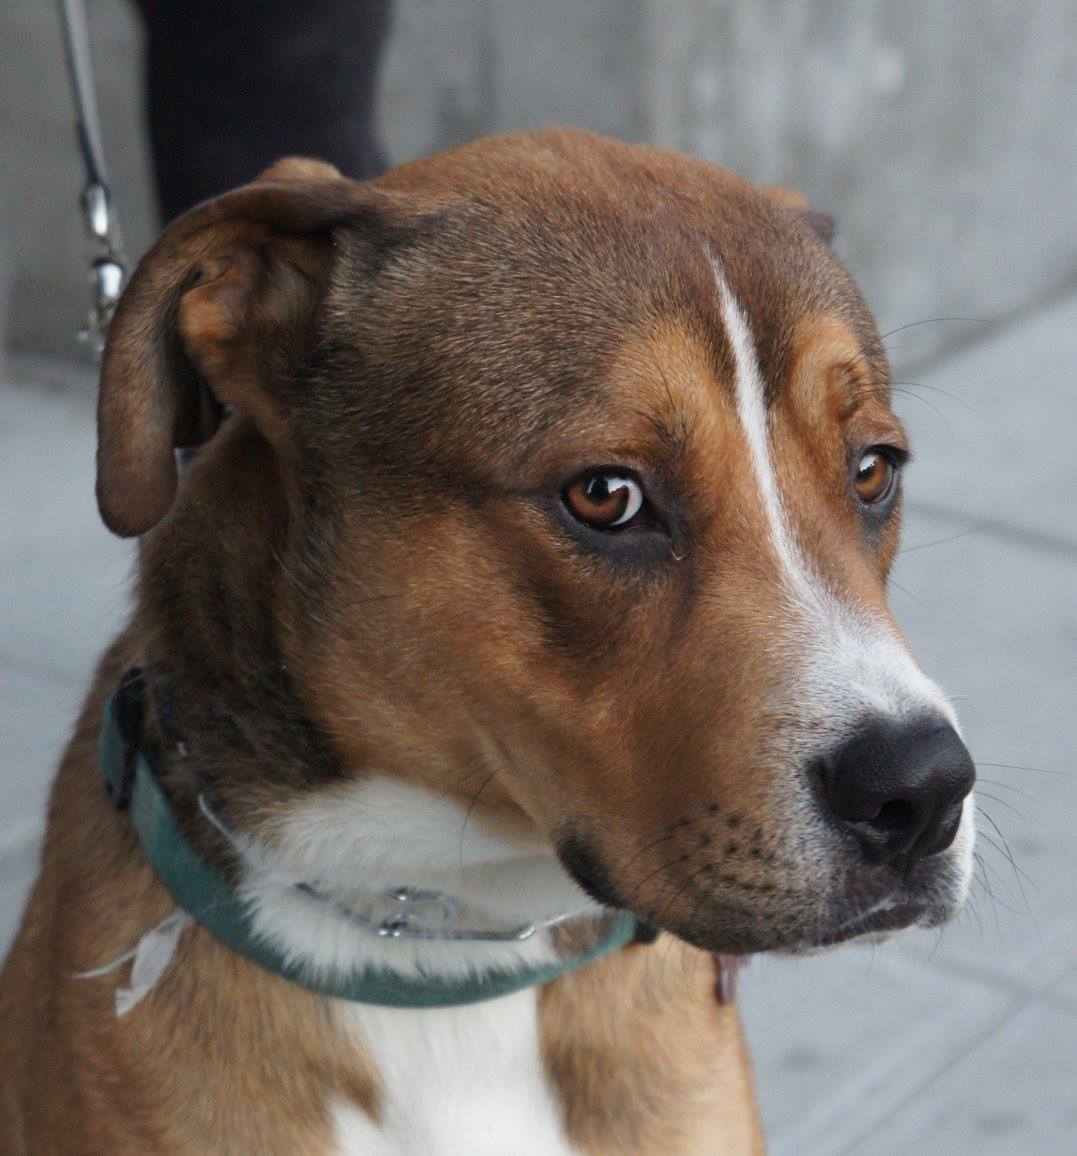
{"x":752,"y":411}
{"x":852,"y":663}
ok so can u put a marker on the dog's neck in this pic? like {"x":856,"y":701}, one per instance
{"x":326,"y":883}
{"x":288,"y":818}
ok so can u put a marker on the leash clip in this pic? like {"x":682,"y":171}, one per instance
{"x":106,"y":266}
{"x":107,"y":270}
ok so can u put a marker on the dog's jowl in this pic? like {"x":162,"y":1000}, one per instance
{"x":511,"y":659}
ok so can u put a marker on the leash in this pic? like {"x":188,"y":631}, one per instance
{"x":107,"y":269}
{"x":132,"y":777}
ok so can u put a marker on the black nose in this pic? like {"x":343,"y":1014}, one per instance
{"x":898,"y":788}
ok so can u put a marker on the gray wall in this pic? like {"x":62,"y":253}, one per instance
{"x":942,"y":133}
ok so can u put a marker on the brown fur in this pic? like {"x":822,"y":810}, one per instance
{"x":228,"y":1059}
{"x":642,"y":1031}
{"x":365,"y":568}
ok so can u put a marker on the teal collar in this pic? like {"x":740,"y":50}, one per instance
{"x":133,"y":782}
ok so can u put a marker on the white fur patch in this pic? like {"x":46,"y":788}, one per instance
{"x":963,"y":846}
{"x":458,"y":1081}
{"x":378,"y":834}
{"x":851,"y":663}
{"x":464,"y":1081}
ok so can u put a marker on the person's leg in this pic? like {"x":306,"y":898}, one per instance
{"x":233,"y":85}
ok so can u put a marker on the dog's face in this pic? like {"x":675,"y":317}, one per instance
{"x":594,"y":488}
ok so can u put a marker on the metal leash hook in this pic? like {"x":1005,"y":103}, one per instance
{"x":107,"y":269}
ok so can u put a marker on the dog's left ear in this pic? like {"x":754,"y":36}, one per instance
{"x":822,"y":224}
{"x":218,"y":311}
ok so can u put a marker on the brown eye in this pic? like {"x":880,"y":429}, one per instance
{"x":604,"y":500}
{"x":874,"y":477}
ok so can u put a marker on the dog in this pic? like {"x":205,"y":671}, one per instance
{"x":512,"y":657}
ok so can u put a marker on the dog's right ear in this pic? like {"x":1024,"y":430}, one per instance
{"x":225,"y":299}
{"x":822,"y":225}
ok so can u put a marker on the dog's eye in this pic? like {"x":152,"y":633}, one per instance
{"x":874,"y":478}
{"x":604,"y":500}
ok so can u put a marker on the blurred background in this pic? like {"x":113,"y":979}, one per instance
{"x":942,"y":136}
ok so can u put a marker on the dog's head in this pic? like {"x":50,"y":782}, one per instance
{"x":593,"y":484}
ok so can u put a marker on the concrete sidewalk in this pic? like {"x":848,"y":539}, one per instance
{"x":965,"y":1042}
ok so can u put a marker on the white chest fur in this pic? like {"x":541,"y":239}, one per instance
{"x":465,"y":1081}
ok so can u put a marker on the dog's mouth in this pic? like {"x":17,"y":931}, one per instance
{"x":874,"y":924}
{"x":872,"y":908}
{"x":814,"y":931}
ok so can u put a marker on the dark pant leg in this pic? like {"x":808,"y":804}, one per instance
{"x":233,"y":85}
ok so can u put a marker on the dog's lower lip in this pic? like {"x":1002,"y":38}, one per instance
{"x":891,"y":917}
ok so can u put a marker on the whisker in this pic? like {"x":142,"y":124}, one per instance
{"x":663,"y":838}
{"x":686,"y":882}
{"x":1037,"y":770}
{"x":930,"y":404}
{"x":985,"y":867}
{"x":1018,"y":871}
{"x":973,"y":908}
{"x":935,"y":389}
{"x":1019,"y":894}
{"x":667,"y":831}
{"x":657,"y":871}
{"x":1010,"y":787}
{"x":926,"y":321}
{"x":909,"y":594}
{"x":1001,"y":803}
{"x":471,"y":807}
{"x":952,"y":537}
{"x":938,"y":943}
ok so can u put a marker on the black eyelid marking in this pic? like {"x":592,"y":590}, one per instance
{"x":899,"y":456}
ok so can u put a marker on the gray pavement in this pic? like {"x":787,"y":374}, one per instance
{"x":959,"y":1043}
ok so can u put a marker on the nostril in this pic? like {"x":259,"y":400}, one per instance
{"x":894,"y":817}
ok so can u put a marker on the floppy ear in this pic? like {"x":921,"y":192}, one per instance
{"x":225,"y":300}
{"x":822,"y":224}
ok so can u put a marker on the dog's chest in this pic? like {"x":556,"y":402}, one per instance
{"x":466,"y":1081}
